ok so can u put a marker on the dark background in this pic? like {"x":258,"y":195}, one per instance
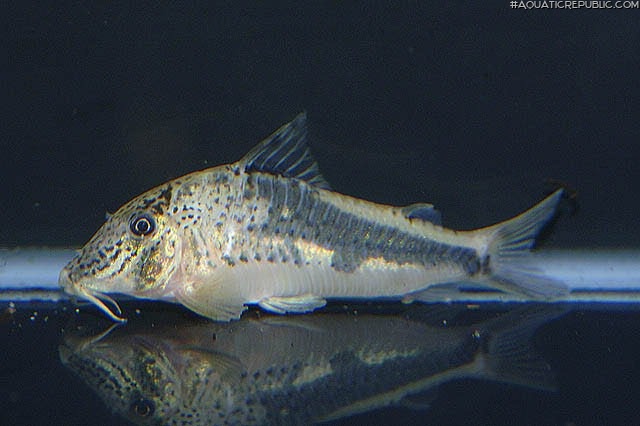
{"x":592,"y":353}
{"x":471,"y":107}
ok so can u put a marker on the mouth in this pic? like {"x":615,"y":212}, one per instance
{"x":97,"y":298}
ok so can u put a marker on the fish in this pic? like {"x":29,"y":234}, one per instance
{"x":292,"y":370}
{"x":269,"y":230}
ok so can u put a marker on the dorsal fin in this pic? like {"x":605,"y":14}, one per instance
{"x":286,"y":153}
{"x":423,"y":211}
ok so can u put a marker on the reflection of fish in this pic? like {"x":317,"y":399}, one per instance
{"x":297,"y":370}
{"x":268,"y":230}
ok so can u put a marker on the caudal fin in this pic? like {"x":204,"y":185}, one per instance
{"x":511,"y":240}
{"x":509,"y":354}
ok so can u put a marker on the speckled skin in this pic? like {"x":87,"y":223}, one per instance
{"x":298,"y":370}
{"x":268,"y":230}
{"x":269,"y":373}
{"x":249,"y":236}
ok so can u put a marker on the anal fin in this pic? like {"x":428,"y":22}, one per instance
{"x":421,"y":401}
{"x":295,"y":304}
{"x":434,"y":294}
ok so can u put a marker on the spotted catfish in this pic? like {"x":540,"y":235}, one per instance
{"x":303,"y":370}
{"x":268,"y":230}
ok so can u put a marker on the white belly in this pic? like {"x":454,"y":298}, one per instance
{"x":253,"y":283}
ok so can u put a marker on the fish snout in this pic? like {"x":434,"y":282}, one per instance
{"x":64,"y":280}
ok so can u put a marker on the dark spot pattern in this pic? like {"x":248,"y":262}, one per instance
{"x":297,"y":212}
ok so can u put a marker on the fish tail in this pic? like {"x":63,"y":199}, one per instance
{"x":509,"y":241}
{"x":508,"y":353}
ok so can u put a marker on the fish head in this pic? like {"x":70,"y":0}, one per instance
{"x":135,"y":252}
{"x":133,"y":378}
{"x":171,"y":374}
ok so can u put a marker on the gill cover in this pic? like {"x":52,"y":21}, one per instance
{"x":135,"y":252}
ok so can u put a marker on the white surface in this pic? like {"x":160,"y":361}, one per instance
{"x":592,"y":275}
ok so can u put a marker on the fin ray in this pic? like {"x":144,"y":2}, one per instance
{"x":423,"y":211}
{"x":295,"y":304}
{"x":226,"y":365}
{"x":286,"y":153}
{"x":204,"y":301}
{"x":510,"y":355}
{"x":511,"y":240}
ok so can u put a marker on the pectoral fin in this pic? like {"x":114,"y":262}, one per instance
{"x":204,"y":300}
{"x":225,"y":365}
{"x":296,"y":304}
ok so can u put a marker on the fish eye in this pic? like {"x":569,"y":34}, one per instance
{"x":142,"y":407}
{"x":142,"y":225}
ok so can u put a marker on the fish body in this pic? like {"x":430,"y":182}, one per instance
{"x":268,"y":230}
{"x":298,"y":370}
